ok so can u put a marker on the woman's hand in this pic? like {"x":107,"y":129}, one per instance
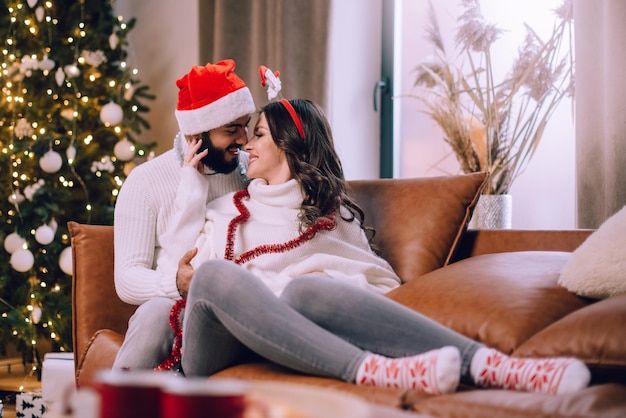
{"x":185,"y":272}
{"x":193,"y":158}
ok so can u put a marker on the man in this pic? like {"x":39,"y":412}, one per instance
{"x":214,"y":105}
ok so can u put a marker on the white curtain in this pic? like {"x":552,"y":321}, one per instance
{"x":600,"y":109}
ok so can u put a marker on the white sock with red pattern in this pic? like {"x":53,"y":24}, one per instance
{"x":435,"y":372}
{"x":491,"y":368}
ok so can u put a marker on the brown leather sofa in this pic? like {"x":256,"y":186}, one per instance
{"x":496,"y":286}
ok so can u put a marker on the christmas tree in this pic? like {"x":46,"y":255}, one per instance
{"x":69,"y":118}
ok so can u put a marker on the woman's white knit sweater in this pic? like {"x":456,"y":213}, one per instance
{"x":142,"y":213}
{"x":342,"y":253}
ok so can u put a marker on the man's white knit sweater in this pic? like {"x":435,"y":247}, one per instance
{"x":142,"y":213}
{"x":342,"y":253}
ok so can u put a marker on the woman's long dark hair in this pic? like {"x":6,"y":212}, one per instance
{"x":313,"y":160}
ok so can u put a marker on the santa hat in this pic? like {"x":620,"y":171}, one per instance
{"x":210,"y":97}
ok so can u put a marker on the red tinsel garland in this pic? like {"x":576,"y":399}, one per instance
{"x":244,"y":216}
{"x":177,"y":326}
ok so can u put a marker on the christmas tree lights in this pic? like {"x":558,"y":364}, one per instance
{"x":70,"y":111}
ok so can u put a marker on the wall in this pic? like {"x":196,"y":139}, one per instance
{"x":163,"y":46}
{"x":544,"y":195}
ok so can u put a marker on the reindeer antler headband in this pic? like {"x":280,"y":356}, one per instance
{"x":271,"y":80}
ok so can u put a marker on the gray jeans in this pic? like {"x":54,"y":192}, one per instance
{"x":318,"y":326}
{"x":149,"y":338}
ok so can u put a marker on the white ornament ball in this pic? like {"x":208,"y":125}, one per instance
{"x":124,"y":150}
{"x":44,"y":235}
{"x":111,"y":114}
{"x":39,"y":13}
{"x":71,"y":70}
{"x":16,"y":198}
{"x":65,"y":260}
{"x":113,"y":40}
{"x":36,"y":314}
{"x":22,"y":260}
{"x":70,"y":152}
{"x":13,"y":242}
{"x":46,"y":63}
{"x":59,"y":76}
{"x":68,"y":113}
{"x":51,"y":162}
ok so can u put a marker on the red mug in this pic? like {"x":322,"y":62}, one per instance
{"x":126,"y":394}
{"x":204,"y":398}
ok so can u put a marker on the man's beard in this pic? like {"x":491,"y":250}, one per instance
{"x":216,"y":158}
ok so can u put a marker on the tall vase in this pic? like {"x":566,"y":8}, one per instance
{"x":493,"y":211}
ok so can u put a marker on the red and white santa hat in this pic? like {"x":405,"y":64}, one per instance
{"x":210,"y":97}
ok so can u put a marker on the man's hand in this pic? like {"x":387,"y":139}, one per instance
{"x":185,"y":272}
{"x":193,"y":158}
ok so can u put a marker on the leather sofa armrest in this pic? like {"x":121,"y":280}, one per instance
{"x":95,"y":304}
{"x":98,"y":355}
{"x":488,"y":241}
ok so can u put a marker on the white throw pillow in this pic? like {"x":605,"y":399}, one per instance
{"x":597,"y":268}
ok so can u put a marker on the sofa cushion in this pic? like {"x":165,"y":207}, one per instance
{"x":499,"y":299}
{"x":419,"y":222}
{"x":597,"y":268}
{"x":99,"y":354}
{"x":269,"y":371}
{"x":594,"y":334}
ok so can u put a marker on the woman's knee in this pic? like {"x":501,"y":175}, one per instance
{"x":211,"y":273}
{"x":217,"y":279}
{"x":302,"y":291}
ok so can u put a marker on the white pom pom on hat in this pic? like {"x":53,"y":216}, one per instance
{"x":210,"y":97}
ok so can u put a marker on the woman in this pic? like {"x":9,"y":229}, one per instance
{"x":284,"y":269}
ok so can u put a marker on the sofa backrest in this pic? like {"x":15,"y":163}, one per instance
{"x":419,"y":222}
{"x":95,"y":304}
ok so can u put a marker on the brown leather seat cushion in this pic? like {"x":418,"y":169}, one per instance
{"x":523,"y":296}
{"x":599,"y":339}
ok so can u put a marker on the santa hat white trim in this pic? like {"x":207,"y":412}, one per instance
{"x":218,"y":113}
